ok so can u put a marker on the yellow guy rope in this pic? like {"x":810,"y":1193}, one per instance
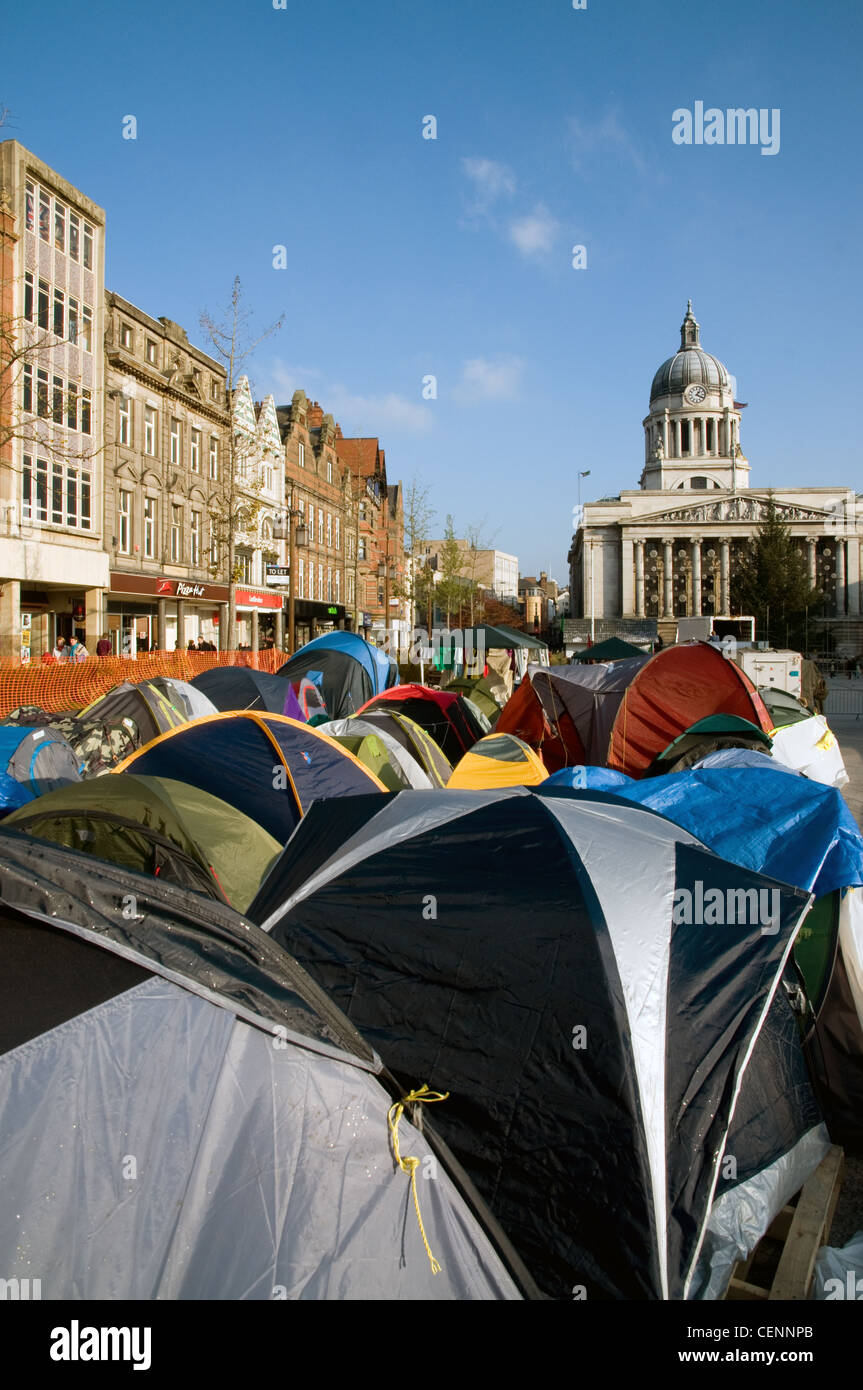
{"x":410,"y":1165}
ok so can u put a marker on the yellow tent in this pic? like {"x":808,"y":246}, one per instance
{"x":498,"y":760}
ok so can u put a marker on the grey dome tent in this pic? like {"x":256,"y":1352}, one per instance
{"x":207,"y":1123}
{"x":39,"y":759}
{"x":597,"y":1052}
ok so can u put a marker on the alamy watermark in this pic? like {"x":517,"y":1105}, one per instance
{"x":462,"y":646}
{"x":729,"y":907}
{"x":732,"y":126}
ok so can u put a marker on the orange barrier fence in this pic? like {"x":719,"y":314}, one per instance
{"x":69,"y":686}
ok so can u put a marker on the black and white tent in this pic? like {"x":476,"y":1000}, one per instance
{"x":620,"y":1054}
{"x":185,"y":1115}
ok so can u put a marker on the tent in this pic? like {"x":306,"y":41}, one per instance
{"x":776,"y":822}
{"x":595,"y":1054}
{"x":239,"y":687}
{"x":187,"y":1116}
{"x":38,"y":759}
{"x":498,"y":760}
{"x":184,"y":696}
{"x":612,"y":649}
{"x":706,"y":736}
{"x":348,"y":670}
{"x":414,"y":740}
{"x":269,"y":767}
{"x":671,"y":692}
{"x":158,"y":826}
{"x":487,"y":693}
{"x":153,"y":713}
{"x":566,"y":713}
{"x":467,"y":651}
{"x":353,"y":734}
{"x":453,"y":723}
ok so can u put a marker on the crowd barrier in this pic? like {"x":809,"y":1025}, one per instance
{"x":59,"y":687}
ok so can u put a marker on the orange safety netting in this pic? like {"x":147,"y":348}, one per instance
{"x":58,"y":687}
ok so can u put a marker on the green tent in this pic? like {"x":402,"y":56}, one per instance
{"x":705,"y":736}
{"x":480,"y":692}
{"x":612,"y":649}
{"x":157,"y":826}
{"x":372,"y":752}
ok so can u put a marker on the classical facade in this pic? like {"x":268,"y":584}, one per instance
{"x":667,"y":550}
{"x":53,"y":566}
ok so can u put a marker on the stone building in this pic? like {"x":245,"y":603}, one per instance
{"x":166,"y":488}
{"x":53,"y":566}
{"x":667,"y":549}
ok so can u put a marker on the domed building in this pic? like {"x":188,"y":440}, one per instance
{"x":643,"y":559}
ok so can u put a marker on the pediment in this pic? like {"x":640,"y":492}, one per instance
{"x":734,"y":508}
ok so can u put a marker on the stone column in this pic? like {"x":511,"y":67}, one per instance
{"x":840,"y":579}
{"x":280,"y":629}
{"x":854,"y":577}
{"x":92,"y":618}
{"x":162,"y":619}
{"x":813,"y":561}
{"x":181,"y":625}
{"x":696,"y":576}
{"x":639,"y":579}
{"x":627,"y":596}
{"x":668,"y":577}
{"x":724,"y":577}
{"x":224,"y":617}
{"x":665,"y":433}
{"x":10,"y":619}
{"x":255,"y":627}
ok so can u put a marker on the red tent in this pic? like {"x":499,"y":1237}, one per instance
{"x":678,"y":686}
{"x":450,"y":720}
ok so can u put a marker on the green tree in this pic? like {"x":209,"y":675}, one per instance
{"x":452,"y":586}
{"x":770,"y":580}
{"x":418,"y":516}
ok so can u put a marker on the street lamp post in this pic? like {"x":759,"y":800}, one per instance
{"x":297,"y":537}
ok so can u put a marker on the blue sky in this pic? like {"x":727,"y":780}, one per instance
{"x":452,"y":257}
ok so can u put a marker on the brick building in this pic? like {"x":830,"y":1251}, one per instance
{"x":376,"y":538}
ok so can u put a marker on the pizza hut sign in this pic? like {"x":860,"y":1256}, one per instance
{"x":180,"y":588}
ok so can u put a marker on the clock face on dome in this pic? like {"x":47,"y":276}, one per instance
{"x":696,"y":394}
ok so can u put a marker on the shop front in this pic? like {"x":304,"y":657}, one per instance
{"x":313,"y":619}
{"x":150,"y":613}
{"x":260,"y":618}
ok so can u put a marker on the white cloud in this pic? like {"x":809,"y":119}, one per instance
{"x":605,"y":136}
{"x":490,"y":180}
{"x":357,"y":414}
{"x":534,"y":234}
{"x":486,"y":380}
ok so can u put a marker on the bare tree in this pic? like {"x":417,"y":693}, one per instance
{"x":235,"y":502}
{"x":418,"y":517}
{"x":477,"y":541}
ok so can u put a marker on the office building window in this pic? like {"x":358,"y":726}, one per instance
{"x":43,"y":305}
{"x":214,"y":547}
{"x":57,"y":400}
{"x":338,"y":597}
{"x":320,"y":527}
{"x":85,"y":412}
{"x":125,"y":420}
{"x":88,"y":247}
{"x":28,"y":297}
{"x":329,"y":529}
{"x":302,"y":454}
{"x":126,"y":336}
{"x":44,"y":216}
{"x":301,"y":577}
{"x":149,"y":527}
{"x":72,"y":321}
{"x":59,"y":313}
{"x":176,"y":534}
{"x":214,"y":458}
{"x":27,"y":393}
{"x":72,"y":407}
{"x":42,"y":406}
{"x":175,"y":441}
{"x":87,"y":329}
{"x":31,"y":207}
{"x":338,"y":533}
{"x":329,"y":470}
{"x":124,"y":524}
{"x":311,"y":524}
{"x":195,"y":451}
{"x":57,"y":494}
{"x":149,"y":431}
{"x":320,"y":583}
{"x":59,"y":226}
{"x":74,"y":236}
{"x":151,"y":351}
{"x":329,"y":585}
{"x":35,"y":485}
{"x":195,"y":540}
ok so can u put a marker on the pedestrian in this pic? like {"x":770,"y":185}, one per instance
{"x":103,"y":646}
{"x":60,"y":652}
{"x":77,"y":651}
